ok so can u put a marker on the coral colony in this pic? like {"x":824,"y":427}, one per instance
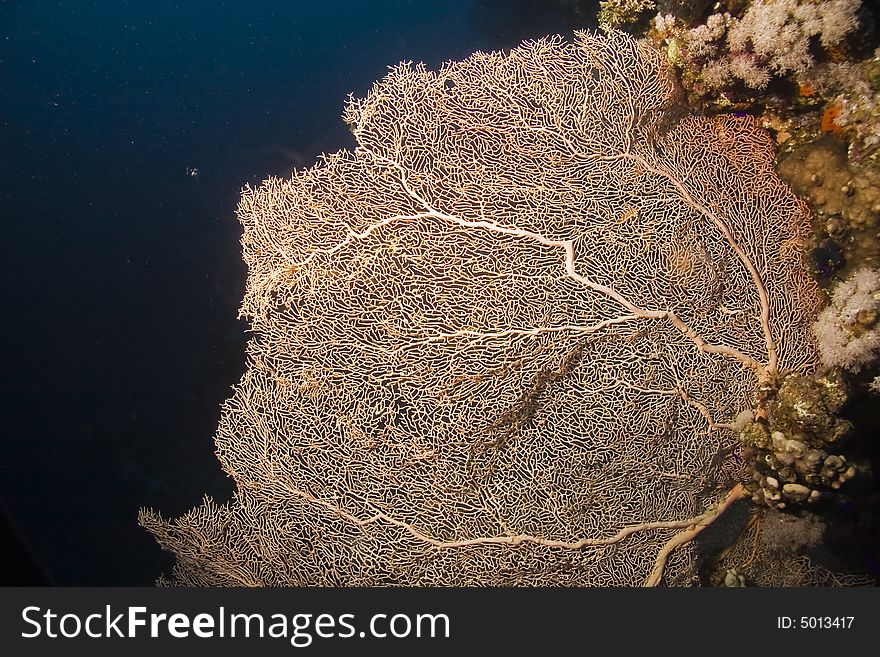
{"x":539,"y":328}
{"x":771,"y":38}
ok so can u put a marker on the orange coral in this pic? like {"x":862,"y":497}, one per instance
{"x":832,"y":111}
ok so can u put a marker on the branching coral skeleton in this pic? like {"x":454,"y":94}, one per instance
{"x":504,"y":341}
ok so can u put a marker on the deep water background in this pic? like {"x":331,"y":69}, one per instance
{"x":121,"y":270}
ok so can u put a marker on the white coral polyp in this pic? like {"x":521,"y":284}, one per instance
{"x":778,"y":33}
{"x":847,"y":331}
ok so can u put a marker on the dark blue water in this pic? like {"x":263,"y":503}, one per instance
{"x":121,"y":270}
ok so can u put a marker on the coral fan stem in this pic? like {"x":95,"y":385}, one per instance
{"x":738,"y":492}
